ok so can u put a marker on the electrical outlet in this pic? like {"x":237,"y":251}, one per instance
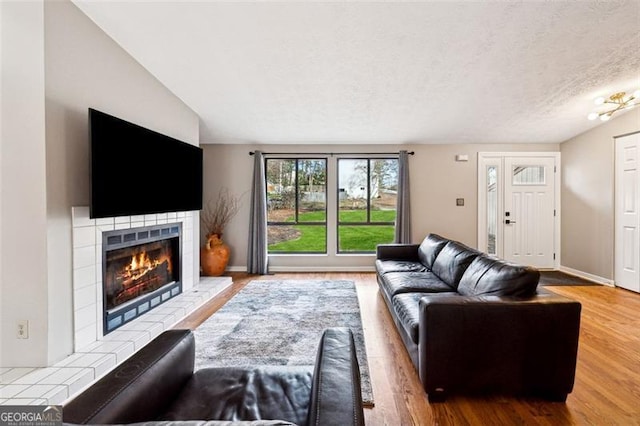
{"x":23,"y":329}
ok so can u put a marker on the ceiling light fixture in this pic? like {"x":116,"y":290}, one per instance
{"x":616,"y":102}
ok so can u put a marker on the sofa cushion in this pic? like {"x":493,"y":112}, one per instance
{"x":407,"y":309}
{"x":488,"y":276}
{"x":452,"y":261}
{"x":410,"y":282}
{"x":384,"y":266}
{"x":229,"y":393}
{"x":429,"y":249}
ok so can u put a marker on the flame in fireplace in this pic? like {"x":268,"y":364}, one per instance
{"x":141,"y":264}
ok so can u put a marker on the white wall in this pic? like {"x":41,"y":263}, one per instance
{"x":587,"y":196}
{"x":436,"y":181}
{"x":61,"y":64}
{"x":24,"y":222}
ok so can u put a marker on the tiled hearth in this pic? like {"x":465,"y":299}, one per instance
{"x":53,"y":385}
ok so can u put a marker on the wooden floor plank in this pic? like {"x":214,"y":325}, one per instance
{"x":606,"y":392}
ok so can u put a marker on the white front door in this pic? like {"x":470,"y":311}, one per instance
{"x":627,"y":220}
{"x":529,"y":200}
{"x":518,"y":207}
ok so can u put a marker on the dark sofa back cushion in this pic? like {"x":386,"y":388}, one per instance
{"x":429,"y":249}
{"x":487,"y":276}
{"x":452,"y":261}
{"x":141,"y":387}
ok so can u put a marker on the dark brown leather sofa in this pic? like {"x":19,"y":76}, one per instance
{"x":158,"y":385}
{"x":476,"y":325}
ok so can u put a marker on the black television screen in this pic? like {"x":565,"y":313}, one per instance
{"x":135,"y":170}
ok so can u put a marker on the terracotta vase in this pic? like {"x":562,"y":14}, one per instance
{"x":214,"y":256}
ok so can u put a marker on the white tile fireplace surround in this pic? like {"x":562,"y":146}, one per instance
{"x":96,"y":354}
{"x":87,"y":265}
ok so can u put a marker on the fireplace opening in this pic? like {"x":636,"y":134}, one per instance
{"x":141,"y":270}
{"x":136,"y":271}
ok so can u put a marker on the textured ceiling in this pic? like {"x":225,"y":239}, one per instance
{"x":383,"y":72}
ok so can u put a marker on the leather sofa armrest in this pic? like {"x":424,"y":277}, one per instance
{"x":397,"y":252}
{"x":519,"y":345}
{"x":140,"y":388}
{"x":336,"y":398}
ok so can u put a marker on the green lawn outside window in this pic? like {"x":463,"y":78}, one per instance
{"x":313,"y":239}
{"x":361,"y":215}
{"x":364,"y":238}
{"x":352,"y":238}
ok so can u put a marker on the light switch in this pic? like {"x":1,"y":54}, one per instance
{"x":459,"y":201}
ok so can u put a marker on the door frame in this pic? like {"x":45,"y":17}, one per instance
{"x":484,"y":158}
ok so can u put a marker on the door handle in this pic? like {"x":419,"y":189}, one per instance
{"x":509,"y":222}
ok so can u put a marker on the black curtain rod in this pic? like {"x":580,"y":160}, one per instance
{"x":331,"y":153}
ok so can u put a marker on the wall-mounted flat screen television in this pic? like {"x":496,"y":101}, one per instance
{"x":135,"y":170}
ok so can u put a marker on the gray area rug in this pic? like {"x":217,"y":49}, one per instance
{"x":560,"y":279}
{"x":280,"y":322}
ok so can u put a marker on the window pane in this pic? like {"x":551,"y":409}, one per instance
{"x":281,"y":191}
{"x":312,"y":198}
{"x":296,"y":193}
{"x":492,"y":208}
{"x":353,"y":238}
{"x":352,"y":190}
{"x":367,"y":191}
{"x":528,"y":175}
{"x":384,"y":190}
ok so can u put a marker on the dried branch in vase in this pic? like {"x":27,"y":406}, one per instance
{"x":219,"y":211}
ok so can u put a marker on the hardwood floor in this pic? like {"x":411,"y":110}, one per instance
{"x":607,"y":387}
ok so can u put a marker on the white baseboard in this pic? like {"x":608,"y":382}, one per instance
{"x":586,"y":276}
{"x":309,"y":268}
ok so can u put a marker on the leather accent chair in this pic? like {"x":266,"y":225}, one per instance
{"x":158,"y":385}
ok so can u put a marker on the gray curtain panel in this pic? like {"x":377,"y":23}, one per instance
{"x":403,"y":206}
{"x":257,"y":259}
